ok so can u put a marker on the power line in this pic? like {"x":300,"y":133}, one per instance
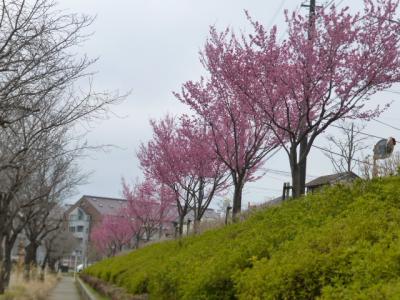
{"x":286,"y":174}
{"x":263,"y":189}
{"x":356,"y":131}
{"x":276,"y":172}
{"x":340,"y":2}
{"x":276,"y":13}
{"x":282,"y":172}
{"x":333,"y":2}
{"x":272,"y":177}
{"x":386,"y":124}
{"x":392,"y":91}
{"x":366,"y":134}
{"x":339,"y":154}
{"x":272,"y":155}
{"x":282,"y":34}
{"x":329,"y":3}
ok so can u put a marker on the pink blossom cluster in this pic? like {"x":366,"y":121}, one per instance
{"x":149,"y":211}
{"x":260,"y":93}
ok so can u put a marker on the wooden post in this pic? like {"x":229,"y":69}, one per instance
{"x":175,"y":225}
{"x":227,"y":214}
{"x":188,"y":226}
{"x":284,"y":191}
{"x":374,"y":168}
{"x":288,"y":187}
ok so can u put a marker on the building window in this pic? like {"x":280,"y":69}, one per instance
{"x":80,"y":215}
{"x":71,"y":228}
{"x":80,"y":228}
{"x":80,"y":240}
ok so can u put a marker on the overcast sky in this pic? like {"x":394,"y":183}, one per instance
{"x":151,"y":47}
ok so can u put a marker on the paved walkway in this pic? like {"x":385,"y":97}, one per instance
{"x":65,"y":290}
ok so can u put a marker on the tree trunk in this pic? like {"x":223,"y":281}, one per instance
{"x":237,"y":198}
{"x":137,"y":241}
{"x":2,"y":256}
{"x":180,"y":225}
{"x":45,"y":260}
{"x":351,"y":149}
{"x":301,"y":169}
{"x":52,"y":264}
{"x":296,"y":184}
{"x":2,"y":282}
{"x":43,"y":266}
{"x":5,"y":271}
{"x":30,"y":259}
{"x":5,"y":267}
{"x":303,"y":166}
{"x":295,"y":170}
{"x":196,"y":226}
{"x":160,"y":231}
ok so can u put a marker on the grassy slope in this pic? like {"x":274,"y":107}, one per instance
{"x":342,"y":243}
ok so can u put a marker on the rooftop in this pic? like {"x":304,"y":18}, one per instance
{"x":105,"y":205}
{"x":333,"y":178}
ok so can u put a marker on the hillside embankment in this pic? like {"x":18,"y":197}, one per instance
{"x":340,"y":243}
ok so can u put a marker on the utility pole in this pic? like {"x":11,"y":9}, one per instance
{"x":311,"y":6}
{"x":304,"y":140}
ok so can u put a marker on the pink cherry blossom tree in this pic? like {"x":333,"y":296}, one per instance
{"x":201,"y":164}
{"x":151,"y":207}
{"x":180,"y":157}
{"x":327,"y":69}
{"x":240,"y":137}
{"x":160,"y":161}
{"x":112,"y":234}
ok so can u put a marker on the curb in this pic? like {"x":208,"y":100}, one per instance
{"x":84,"y":291}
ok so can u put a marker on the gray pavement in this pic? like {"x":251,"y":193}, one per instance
{"x":65,"y":290}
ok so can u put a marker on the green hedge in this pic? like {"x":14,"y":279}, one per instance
{"x":341,"y":243}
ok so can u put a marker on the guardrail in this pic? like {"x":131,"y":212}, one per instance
{"x":84,"y":291}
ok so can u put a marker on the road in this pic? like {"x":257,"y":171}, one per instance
{"x":65,"y":290}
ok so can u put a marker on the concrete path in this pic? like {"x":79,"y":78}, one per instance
{"x":65,"y":290}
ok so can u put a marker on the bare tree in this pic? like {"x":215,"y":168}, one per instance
{"x":348,"y":145}
{"x":57,"y":244}
{"x":386,"y":167}
{"x":365,"y":167}
{"x":39,"y":225}
{"x":31,"y":190}
{"x":391,"y":165}
{"x":40,"y":108}
{"x":52,"y":183}
{"x":35,"y":56}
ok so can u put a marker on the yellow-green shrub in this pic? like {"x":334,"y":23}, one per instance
{"x":340,"y":243}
